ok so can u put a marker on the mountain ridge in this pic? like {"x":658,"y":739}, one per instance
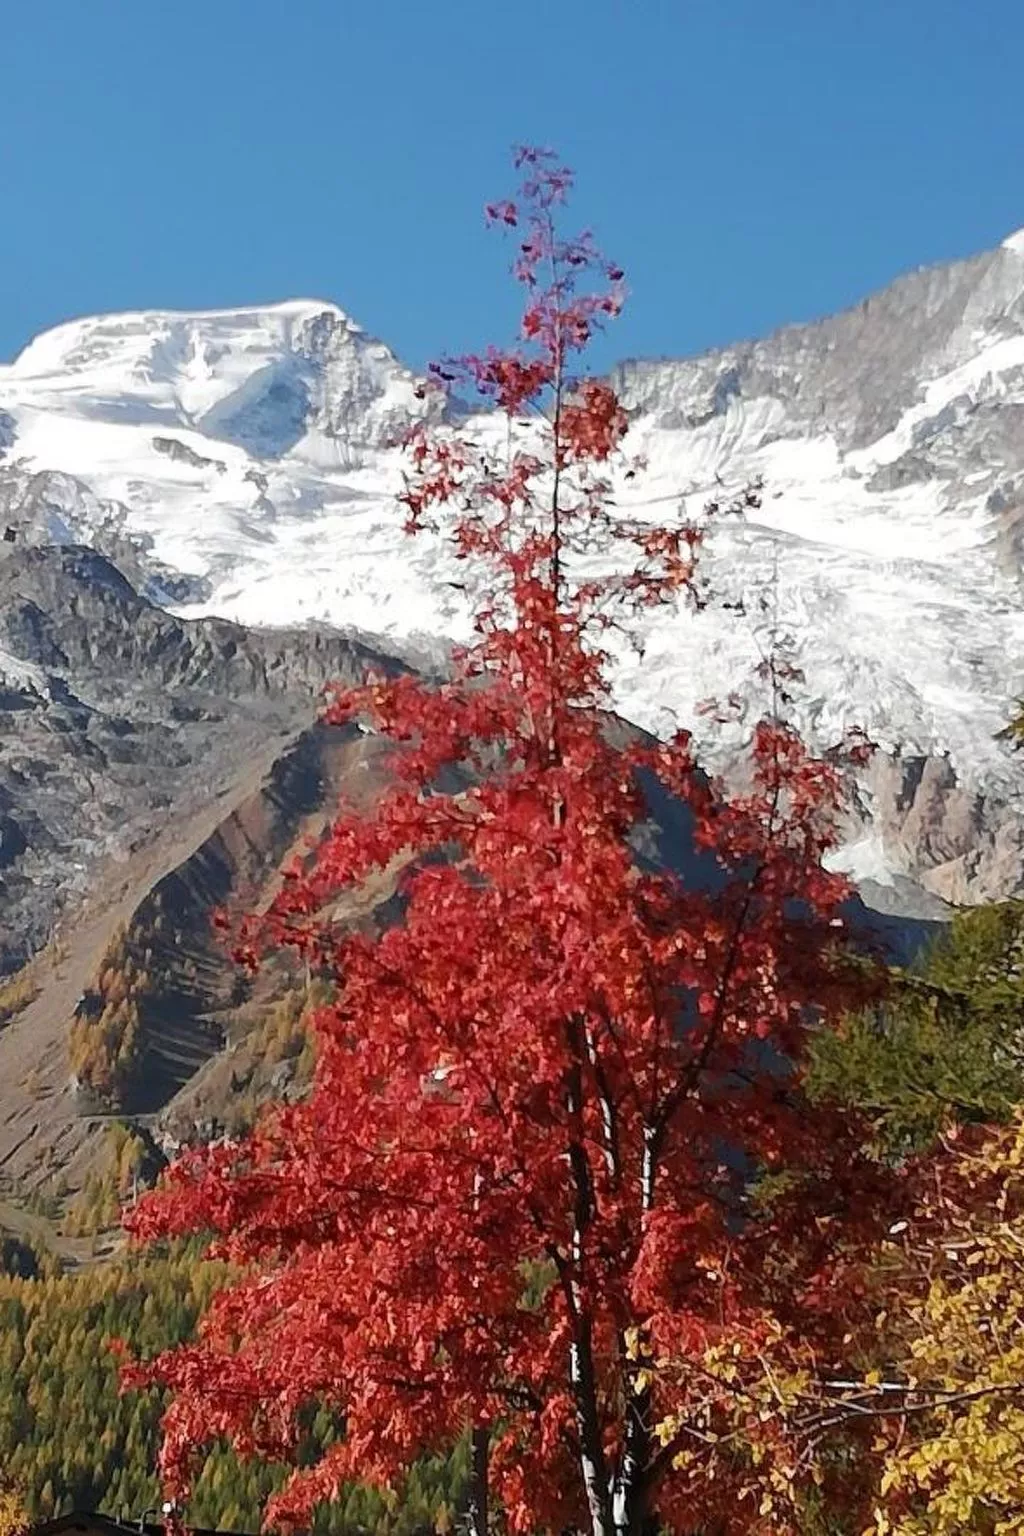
{"x":240,"y":463}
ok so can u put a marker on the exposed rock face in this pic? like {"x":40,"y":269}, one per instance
{"x":183,"y":454}
{"x":116,"y":719}
{"x":858,"y":372}
{"x":959,"y":843}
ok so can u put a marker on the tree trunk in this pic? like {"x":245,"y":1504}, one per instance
{"x":582,"y":1375}
{"x":632,"y":1489}
{"x":631,"y":1493}
{"x":593,"y":1466}
{"x":478,"y":1490}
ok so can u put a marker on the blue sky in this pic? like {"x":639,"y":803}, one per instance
{"x":749,"y":162}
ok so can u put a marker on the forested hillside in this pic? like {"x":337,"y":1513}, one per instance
{"x":70,"y":1439}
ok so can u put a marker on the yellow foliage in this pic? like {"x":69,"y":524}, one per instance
{"x":735,"y":1400}
{"x":105,"y":1039}
{"x":929,"y":1413}
{"x":955,"y":1461}
{"x":16,"y":992}
{"x":13,"y":1516}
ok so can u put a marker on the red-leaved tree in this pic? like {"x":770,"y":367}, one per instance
{"x":544,"y":1094}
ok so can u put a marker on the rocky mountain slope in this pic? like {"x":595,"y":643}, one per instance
{"x":200,"y":531}
{"x":119,"y":718}
{"x":242,"y":464}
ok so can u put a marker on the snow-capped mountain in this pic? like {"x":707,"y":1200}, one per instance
{"x":242,"y":464}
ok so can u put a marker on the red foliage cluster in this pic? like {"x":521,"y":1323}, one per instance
{"x":540,"y":1096}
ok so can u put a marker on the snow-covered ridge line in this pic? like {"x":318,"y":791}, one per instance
{"x":246,"y":457}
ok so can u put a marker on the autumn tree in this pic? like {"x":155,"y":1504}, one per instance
{"x":945,"y":1402}
{"x":13,"y":1519}
{"x":543,"y":1096}
{"x":105,"y":1042}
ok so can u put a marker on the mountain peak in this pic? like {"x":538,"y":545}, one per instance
{"x":269,"y":380}
{"x":82,"y":342}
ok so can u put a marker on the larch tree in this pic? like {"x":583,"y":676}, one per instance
{"x":543,"y":1094}
{"x":13,"y":1517}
